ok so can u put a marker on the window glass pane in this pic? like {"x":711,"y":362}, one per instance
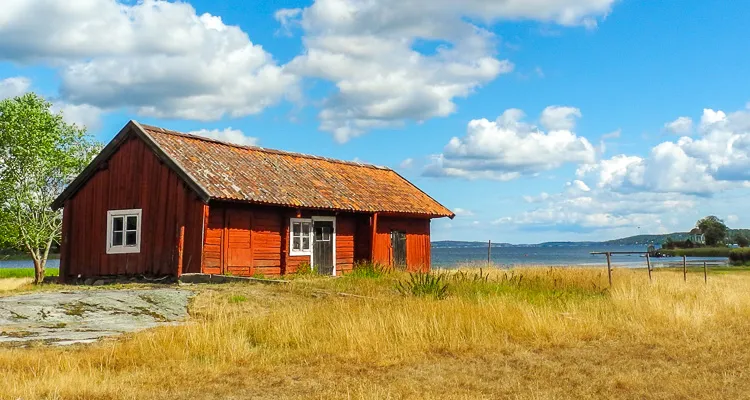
{"x":132,"y":223}
{"x":295,"y":229}
{"x":295,"y":243}
{"x":130,"y":239}
{"x":326,"y":233}
{"x":306,"y":243}
{"x":117,"y":238}
{"x":117,"y":224}
{"x":306,"y":229}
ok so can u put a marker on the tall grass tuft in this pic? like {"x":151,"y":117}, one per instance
{"x":424,"y":285}
{"x":369,"y":270}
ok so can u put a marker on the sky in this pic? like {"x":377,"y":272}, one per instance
{"x":533,"y":120}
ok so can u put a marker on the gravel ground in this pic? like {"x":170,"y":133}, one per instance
{"x":65,"y":318}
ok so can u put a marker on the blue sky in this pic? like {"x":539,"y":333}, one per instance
{"x":534,"y":120}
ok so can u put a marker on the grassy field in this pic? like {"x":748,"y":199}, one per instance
{"x":25,"y":272}
{"x":543,"y":333}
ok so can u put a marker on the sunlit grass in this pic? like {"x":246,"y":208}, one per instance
{"x":25,"y":272}
{"x":525,"y":333}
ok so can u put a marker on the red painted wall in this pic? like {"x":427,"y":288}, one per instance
{"x":248,"y":239}
{"x":132,"y":178}
{"x":417,"y":241}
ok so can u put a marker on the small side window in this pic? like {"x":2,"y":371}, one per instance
{"x":124,"y":231}
{"x":301,"y":237}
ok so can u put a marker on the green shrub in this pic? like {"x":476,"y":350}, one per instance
{"x":424,"y":285}
{"x":698,"y":252}
{"x":740,"y":256}
{"x":304,"y":269}
{"x":369,"y":270}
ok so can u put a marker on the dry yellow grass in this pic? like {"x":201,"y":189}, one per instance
{"x":8,"y":284}
{"x":533,"y":334}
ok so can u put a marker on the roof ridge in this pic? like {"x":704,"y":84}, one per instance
{"x":263,"y":149}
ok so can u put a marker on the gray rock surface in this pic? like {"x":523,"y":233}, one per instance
{"x":63,"y":318}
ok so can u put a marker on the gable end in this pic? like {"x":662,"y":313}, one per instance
{"x":103,"y":157}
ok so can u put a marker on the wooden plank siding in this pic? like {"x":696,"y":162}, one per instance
{"x":253,"y":239}
{"x":417,"y":242}
{"x":132,"y":178}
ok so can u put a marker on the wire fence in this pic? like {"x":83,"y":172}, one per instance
{"x":649,"y":265}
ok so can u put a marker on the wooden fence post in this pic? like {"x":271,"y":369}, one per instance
{"x":705,"y":272}
{"x":489,"y":252}
{"x":609,"y":268}
{"x":684,"y":268}
{"x":648,"y":265}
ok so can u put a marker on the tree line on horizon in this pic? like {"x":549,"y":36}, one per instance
{"x":715,"y":233}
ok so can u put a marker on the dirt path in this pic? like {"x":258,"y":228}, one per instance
{"x":64,"y":318}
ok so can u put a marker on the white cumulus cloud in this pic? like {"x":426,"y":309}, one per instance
{"x":719,"y":159}
{"x":462,"y":212}
{"x":556,"y":118}
{"x":15,"y":86}
{"x":394,"y":61}
{"x":227,"y":135}
{"x":508,"y":148}
{"x":159,"y":58}
{"x":680,"y":126}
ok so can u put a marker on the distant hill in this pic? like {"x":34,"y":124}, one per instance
{"x":631,"y":240}
{"x":659,"y":239}
{"x":452,"y":244}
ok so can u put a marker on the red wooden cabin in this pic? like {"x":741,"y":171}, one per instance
{"x":158,"y":202}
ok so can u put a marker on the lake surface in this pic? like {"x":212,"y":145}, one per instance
{"x":560,"y":256}
{"x":27,"y":264}
{"x":509,"y":256}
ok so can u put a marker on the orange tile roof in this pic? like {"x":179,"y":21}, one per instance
{"x":259,"y":175}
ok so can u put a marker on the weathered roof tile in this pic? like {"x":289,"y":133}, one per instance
{"x":259,"y":175}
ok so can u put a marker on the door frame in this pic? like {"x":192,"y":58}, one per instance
{"x":393,"y":250}
{"x":312,"y":246}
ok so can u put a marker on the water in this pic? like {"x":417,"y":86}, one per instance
{"x":510,"y":256}
{"x":562,"y":255}
{"x":27,"y":264}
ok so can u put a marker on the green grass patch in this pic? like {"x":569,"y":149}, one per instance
{"x":540,"y":287}
{"x":698,"y":252}
{"x":237,"y":298}
{"x":368,"y":270}
{"x":26,"y":272}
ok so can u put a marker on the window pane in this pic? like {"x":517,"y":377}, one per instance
{"x":295,"y":229}
{"x":306,"y":229}
{"x":117,"y":238}
{"x":130,"y":239}
{"x":132,"y":223}
{"x":326,"y":230}
{"x":306,"y":243}
{"x":295,"y":243}
{"x":117,"y":224}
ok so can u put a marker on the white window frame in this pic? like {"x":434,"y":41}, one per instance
{"x":300,"y":252}
{"x":124,"y":249}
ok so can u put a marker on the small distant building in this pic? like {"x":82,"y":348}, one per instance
{"x":696,"y":236}
{"x":159,"y":202}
